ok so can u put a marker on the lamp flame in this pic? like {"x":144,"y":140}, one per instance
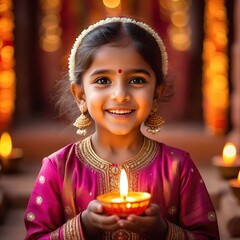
{"x":5,"y":145}
{"x":238,"y":177}
{"x":229,"y":153}
{"x":123,"y":184}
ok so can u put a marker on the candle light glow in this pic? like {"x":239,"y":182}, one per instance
{"x":5,"y":145}
{"x":124,"y":202}
{"x":123,"y":184}
{"x":235,"y":186}
{"x":229,"y":153}
{"x":9,"y":156}
{"x":229,"y":162}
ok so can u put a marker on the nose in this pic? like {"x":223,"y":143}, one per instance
{"x":120,"y":92}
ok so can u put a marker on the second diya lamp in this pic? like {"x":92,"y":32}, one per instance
{"x":228,"y":163}
{"x":235,"y":186}
{"x":124,"y":203}
{"x":9,"y":156}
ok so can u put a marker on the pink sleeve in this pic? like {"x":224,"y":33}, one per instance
{"x":197,"y":216}
{"x":44,"y":217}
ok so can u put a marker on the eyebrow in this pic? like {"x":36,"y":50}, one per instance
{"x":132,"y":71}
{"x":143,"y":71}
{"x":101,"y":71}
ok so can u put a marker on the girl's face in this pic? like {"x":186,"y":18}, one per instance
{"x":118,"y":88}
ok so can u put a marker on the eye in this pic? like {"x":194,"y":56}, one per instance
{"x":138,"y":80}
{"x":102,"y":81}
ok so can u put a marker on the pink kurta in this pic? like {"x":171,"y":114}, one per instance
{"x":73,"y":176}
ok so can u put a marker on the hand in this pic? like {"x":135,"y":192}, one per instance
{"x":94,"y":220}
{"x":151,"y":223}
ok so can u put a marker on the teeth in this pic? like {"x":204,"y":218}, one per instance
{"x":119,"y":111}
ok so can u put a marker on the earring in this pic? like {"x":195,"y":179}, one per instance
{"x":82,"y":123}
{"x":154,"y":121}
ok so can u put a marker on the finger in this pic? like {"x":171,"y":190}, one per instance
{"x":152,"y":210}
{"x":137,"y":223}
{"x":95,"y":206}
{"x":106,"y":222}
{"x":132,"y":222}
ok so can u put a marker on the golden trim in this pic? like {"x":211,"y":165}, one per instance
{"x":110,"y":173}
{"x":71,"y":229}
{"x":175,"y":232}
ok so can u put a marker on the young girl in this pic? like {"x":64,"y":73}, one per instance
{"x":118,"y":72}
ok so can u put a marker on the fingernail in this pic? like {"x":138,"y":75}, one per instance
{"x":121,"y":224}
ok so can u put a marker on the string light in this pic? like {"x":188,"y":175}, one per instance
{"x":7,"y":63}
{"x":50,"y":29}
{"x":177,"y":13}
{"x":215,"y":67}
{"x":111,"y":3}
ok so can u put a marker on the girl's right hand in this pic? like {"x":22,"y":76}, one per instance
{"x":94,"y":220}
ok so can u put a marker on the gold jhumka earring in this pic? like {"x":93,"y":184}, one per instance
{"x":82,"y":123}
{"x":154,"y":121}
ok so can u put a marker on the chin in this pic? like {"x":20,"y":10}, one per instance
{"x":124,"y":132}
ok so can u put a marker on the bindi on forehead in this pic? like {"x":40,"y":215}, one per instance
{"x":119,"y":70}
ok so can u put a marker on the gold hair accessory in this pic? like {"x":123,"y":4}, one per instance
{"x":154,"y":121}
{"x":82,"y":123}
{"x":78,"y":41}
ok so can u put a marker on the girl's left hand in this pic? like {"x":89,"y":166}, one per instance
{"x":151,"y":223}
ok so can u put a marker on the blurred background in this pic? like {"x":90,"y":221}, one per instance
{"x":203,"y":43}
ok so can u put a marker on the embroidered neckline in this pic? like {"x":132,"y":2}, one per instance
{"x":143,"y":158}
{"x":109,"y":173}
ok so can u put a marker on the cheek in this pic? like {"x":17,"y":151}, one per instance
{"x":146,"y":105}
{"x":94,"y":104}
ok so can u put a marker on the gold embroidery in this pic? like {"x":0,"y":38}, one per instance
{"x":42,"y":179}
{"x":211,"y":216}
{"x":110,"y":173}
{"x":30,"y":217}
{"x":121,"y":234}
{"x":172,"y":210}
{"x":177,"y":233}
{"x":71,"y":229}
{"x":190,"y":236}
{"x":54,"y":235}
{"x":68,"y":210}
{"x":174,"y":232}
{"x":39,"y":200}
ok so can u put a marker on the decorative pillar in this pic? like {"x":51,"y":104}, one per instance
{"x":234,"y":135}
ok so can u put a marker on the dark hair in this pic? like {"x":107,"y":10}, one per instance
{"x":144,"y":42}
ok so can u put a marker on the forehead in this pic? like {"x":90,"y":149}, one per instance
{"x":117,"y":55}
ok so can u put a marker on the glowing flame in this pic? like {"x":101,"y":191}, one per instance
{"x":229,"y":153}
{"x":5,"y":145}
{"x":111,"y":3}
{"x":123,"y":184}
{"x":238,"y":177}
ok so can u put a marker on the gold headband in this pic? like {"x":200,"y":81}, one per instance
{"x":78,"y":41}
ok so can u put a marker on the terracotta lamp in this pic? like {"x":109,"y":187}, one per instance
{"x":124,"y":203}
{"x":229,"y":163}
{"x":9,"y":156}
{"x":235,"y":186}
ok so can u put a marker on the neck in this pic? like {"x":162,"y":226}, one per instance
{"x":117,"y":148}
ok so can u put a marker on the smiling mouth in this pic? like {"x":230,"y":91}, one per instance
{"x":119,"y":112}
